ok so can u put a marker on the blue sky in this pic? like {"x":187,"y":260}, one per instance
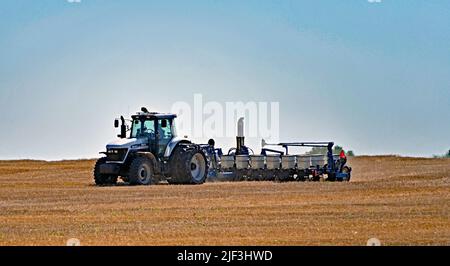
{"x":373,"y":77}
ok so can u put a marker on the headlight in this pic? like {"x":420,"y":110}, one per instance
{"x":116,"y":154}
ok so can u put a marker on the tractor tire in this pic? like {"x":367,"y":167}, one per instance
{"x":316,"y":178}
{"x":141,"y":171}
{"x":331,"y":178}
{"x":102,"y":179}
{"x":188,"y":166}
{"x":348,"y":171}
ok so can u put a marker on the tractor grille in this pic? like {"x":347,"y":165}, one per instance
{"x":116,"y":154}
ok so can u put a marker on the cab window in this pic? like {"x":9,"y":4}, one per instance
{"x":143,"y":128}
{"x":165,"y":132}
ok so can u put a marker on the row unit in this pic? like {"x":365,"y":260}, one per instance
{"x":274,"y":161}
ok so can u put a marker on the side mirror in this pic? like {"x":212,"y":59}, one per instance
{"x":123,"y":127}
{"x":164,"y":123}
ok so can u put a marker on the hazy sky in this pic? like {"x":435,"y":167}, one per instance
{"x":373,"y":77}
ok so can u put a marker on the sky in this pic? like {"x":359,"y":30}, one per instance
{"x":372,"y":77}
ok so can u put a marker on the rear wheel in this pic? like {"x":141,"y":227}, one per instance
{"x":348,"y":171}
{"x":188,"y":166}
{"x":141,"y":171}
{"x":103,"y":179}
{"x":331,"y":176}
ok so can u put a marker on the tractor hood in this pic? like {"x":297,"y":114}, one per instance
{"x":127,"y":143}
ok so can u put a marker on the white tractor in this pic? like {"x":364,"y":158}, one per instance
{"x":150,"y":151}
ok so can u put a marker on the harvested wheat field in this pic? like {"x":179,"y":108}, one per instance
{"x":401,"y":201}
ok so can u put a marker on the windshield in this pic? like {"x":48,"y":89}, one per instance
{"x":143,"y":128}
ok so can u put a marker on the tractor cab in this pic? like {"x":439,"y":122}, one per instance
{"x":158,"y":129}
{"x":149,"y":130}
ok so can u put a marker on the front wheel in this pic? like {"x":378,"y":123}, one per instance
{"x":141,"y":171}
{"x":103,"y":179}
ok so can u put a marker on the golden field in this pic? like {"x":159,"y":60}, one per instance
{"x":401,"y":201}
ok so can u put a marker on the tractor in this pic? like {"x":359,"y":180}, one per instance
{"x":150,"y":151}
